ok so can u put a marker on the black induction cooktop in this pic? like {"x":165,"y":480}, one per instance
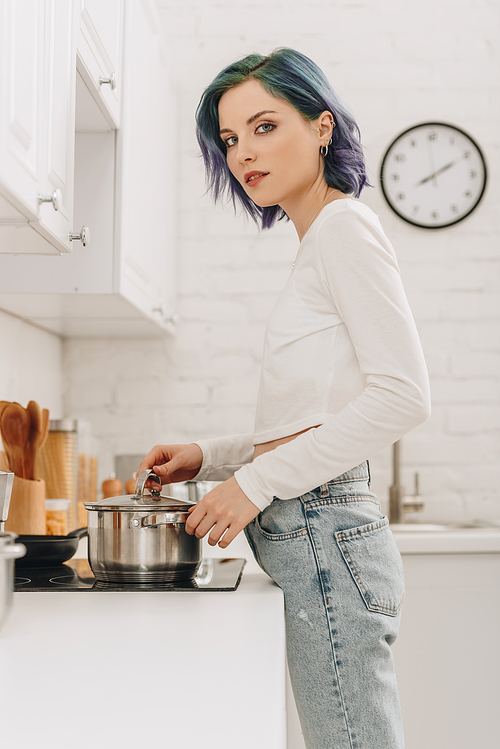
{"x":76,"y":575}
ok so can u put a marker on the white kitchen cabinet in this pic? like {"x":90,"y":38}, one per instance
{"x":146,"y":170}
{"x":123,"y":281}
{"x":99,"y":53}
{"x":37,"y":90}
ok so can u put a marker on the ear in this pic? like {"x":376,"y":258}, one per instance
{"x":325,"y":124}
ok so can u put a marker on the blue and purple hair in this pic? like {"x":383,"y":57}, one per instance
{"x":289,"y":75}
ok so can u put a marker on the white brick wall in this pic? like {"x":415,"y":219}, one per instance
{"x":396,"y":64}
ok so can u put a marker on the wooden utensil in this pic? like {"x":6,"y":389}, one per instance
{"x":34,"y":439}
{"x":3,"y":404}
{"x":14,"y":428}
{"x":45,"y":427}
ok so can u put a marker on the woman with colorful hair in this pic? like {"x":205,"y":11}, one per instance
{"x":343,"y":376}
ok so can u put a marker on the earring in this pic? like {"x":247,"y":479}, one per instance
{"x":324,"y":149}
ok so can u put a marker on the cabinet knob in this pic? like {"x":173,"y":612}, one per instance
{"x":83,"y":237}
{"x":111,"y":81}
{"x":55,"y":199}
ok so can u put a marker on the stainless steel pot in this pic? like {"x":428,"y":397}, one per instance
{"x":8,"y":552}
{"x":141,"y":538}
{"x":8,"y":549}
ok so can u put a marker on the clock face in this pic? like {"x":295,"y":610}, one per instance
{"x":433,"y":175}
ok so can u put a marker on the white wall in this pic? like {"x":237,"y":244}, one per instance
{"x":30,"y":365}
{"x":395,"y":64}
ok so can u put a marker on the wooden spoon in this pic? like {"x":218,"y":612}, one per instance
{"x":34,"y":439}
{"x":3,"y":457}
{"x":45,"y":427}
{"x":3,"y":404}
{"x":14,"y":428}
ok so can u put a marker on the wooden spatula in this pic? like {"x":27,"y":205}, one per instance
{"x":14,"y":428}
{"x":45,"y":426}
{"x":34,"y":439}
{"x":2,"y":406}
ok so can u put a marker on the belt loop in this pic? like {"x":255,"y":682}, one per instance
{"x":369,"y":475}
{"x":324,"y":492}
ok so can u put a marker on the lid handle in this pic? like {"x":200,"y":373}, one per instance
{"x":148,"y":473}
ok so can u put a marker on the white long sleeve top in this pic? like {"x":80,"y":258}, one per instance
{"x":341,"y":354}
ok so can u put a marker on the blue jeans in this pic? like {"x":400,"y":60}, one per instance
{"x":332,"y":553}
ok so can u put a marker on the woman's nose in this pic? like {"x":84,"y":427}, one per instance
{"x":244,"y":153}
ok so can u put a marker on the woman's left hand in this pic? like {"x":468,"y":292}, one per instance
{"x":225,"y":510}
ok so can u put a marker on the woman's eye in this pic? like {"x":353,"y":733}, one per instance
{"x":266,"y":127}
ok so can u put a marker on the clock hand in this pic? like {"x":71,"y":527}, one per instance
{"x":448,"y":166}
{"x":431,"y":155}
{"x":439,"y":171}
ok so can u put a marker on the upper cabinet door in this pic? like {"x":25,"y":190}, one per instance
{"x":37,"y":131}
{"x":21,"y":107}
{"x":99,"y":53}
{"x":59,"y":137}
{"x":146,"y":167}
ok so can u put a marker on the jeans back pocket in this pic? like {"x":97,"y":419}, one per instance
{"x":374,"y":561}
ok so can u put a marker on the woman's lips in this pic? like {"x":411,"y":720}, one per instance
{"x":251,"y":178}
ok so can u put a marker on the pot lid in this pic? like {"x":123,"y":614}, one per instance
{"x":140,"y":501}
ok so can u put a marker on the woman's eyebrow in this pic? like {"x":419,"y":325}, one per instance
{"x":251,"y":119}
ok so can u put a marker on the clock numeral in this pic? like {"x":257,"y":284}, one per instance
{"x":467,"y":154}
{"x":452,"y":141}
{"x":401,"y":196}
{"x":413,"y":143}
{"x":473,"y":174}
{"x":415,"y":210}
{"x":454,"y":208}
{"x":432,"y":135}
{"x":434,"y":214}
{"x":468,"y":194}
{"x":401,"y":157}
{"x":394,"y":177}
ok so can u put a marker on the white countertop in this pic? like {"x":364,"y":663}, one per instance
{"x":415,"y":538}
{"x":127,"y":670}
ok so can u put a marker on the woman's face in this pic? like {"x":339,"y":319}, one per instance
{"x":271,"y":149}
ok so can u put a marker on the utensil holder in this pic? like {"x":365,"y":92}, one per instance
{"x":27,"y":508}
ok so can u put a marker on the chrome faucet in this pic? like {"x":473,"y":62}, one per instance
{"x":399,"y":504}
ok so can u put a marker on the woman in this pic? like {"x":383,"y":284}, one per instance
{"x":343,"y":376}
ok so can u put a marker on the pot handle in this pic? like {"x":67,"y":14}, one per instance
{"x":14,"y":551}
{"x":148,"y":473}
{"x":164,"y":518}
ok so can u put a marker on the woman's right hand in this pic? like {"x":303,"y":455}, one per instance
{"x":173,"y":463}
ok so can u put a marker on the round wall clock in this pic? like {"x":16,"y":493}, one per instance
{"x":433,"y":175}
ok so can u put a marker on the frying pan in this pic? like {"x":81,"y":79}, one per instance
{"x":47,"y":551}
